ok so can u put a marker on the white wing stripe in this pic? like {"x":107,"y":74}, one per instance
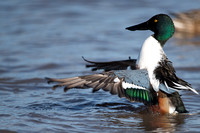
{"x":193,"y":90}
{"x":126,"y":85}
{"x":178,"y":86}
{"x":116,"y":80}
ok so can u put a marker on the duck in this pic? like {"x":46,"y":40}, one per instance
{"x":150,"y":79}
{"x":187,"y":22}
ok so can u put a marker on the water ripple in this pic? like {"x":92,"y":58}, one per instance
{"x":48,"y":38}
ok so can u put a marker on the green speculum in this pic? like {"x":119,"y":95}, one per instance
{"x":138,"y":95}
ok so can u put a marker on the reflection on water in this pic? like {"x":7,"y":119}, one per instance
{"x":47,"y":39}
{"x":188,"y":39}
{"x":144,"y":119}
{"x":162,"y":123}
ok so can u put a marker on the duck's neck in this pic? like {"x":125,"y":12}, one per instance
{"x":161,"y":39}
{"x":163,"y":33}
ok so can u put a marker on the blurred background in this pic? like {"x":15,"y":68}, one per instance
{"x":46,"y":38}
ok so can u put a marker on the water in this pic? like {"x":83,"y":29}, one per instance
{"x":47,"y":39}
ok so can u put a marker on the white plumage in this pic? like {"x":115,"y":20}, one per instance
{"x":150,"y":55}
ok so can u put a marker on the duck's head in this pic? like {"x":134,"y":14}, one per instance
{"x":161,"y":24}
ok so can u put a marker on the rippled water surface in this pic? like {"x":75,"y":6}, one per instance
{"x":44,"y":38}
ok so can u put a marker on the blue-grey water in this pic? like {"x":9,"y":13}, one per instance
{"x":46,"y":38}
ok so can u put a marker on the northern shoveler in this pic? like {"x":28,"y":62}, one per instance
{"x":188,"y":22}
{"x":152,"y":78}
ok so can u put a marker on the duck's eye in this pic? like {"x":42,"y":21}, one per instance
{"x":155,"y":20}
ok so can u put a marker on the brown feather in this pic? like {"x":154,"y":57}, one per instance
{"x":98,"y":87}
{"x":120,"y":89}
{"x":104,"y":81}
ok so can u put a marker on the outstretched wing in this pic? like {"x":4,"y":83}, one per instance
{"x":113,"y":65}
{"x":116,"y":82}
{"x":166,"y":74}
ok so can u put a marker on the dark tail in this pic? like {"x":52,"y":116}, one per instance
{"x":178,"y":103}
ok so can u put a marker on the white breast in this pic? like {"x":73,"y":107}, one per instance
{"x":150,"y":55}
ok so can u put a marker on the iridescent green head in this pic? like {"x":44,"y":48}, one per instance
{"x":161,"y":24}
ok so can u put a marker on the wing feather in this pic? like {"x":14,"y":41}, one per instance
{"x":166,"y":74}
{"x":112,"y":65}
{"x":105,"y":81}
